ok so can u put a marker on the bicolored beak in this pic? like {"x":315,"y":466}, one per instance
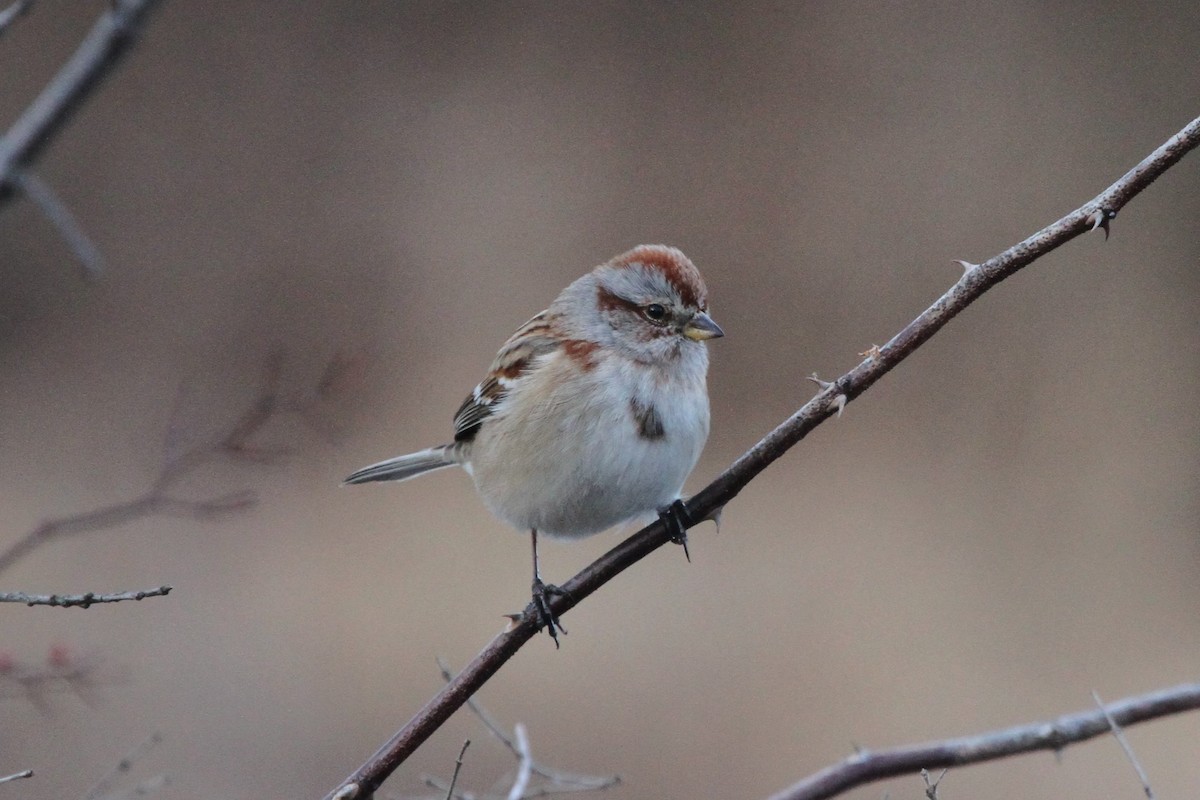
{"x":701,"y":327}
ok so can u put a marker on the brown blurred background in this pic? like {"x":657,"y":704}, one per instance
{"x":1005,"y":523}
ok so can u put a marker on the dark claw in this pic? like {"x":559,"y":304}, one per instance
{"x":542,"y":592}
{"x":676,"y":518}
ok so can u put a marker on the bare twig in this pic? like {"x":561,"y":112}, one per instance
{"x":931,"y":786}
{"x":1121,"y":740}
{"x":157,"y":500}
{"x":560,"y":781}
{"x":81,"y":600}
{"x":728,"y":484}
{"x":525,"y":765}
{"x":16,"y":776}
{"x":458,"y":762}
{"x":55,"y":210}
{"x":867,"y":767}
{"x":153,"y":502}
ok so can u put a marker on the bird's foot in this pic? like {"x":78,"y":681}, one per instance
{"x":676,"y":518}
{"x":540,"y":606}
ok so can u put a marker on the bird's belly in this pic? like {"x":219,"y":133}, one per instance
{"x":569,"y":491}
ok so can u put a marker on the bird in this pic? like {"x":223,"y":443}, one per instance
{"x":593,"y":413}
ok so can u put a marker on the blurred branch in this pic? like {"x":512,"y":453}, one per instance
{"x":56,"y":211}
{"x":976,"y":279}
{"x":1119,"y":735}
{"x":109,"y":39}
{"x":81,"y":600}
{"x":63,"y":671}
{"x":157,"y":501}
{"x":105,"y":785}
{"x":558,"y":781}
{"x":8,"y":16}
{"x":867,"y":767}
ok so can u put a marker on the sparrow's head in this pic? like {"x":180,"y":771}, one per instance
{"x":650,"y":303}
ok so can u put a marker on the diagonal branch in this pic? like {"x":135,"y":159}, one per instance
{"x":976,"y":280}
{"x":10,"y":14}
{"x":95,"y":57}
{"x":867,"y":767}
{"x":107,"y":41}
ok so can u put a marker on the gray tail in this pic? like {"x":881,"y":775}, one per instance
{"x":401,"y":468}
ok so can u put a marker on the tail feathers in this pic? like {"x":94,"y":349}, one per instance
{"x":401,"y":468}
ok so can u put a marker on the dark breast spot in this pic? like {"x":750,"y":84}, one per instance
{"x":645,"y":417}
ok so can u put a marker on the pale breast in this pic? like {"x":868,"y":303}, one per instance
{"x":575,"y":457}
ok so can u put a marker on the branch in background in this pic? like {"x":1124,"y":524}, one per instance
{"x":976,"y":280}
{"x":109,"y":39}
{"x":178,"y":463}
{"x":8,"y":16}
{"x":105,"y":786}
{"x":84,"y":600}
{"x":62,"y":671}
{"x":56,"y":211}
{"x":867,"y":767}
{"x":532,"y":780}
{"x":554,"y":781}
{"x":1119,"y":735}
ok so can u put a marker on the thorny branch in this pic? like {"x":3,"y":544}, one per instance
{"x":109,"y":39}
{"x":867,"y":767}
{"x":976,"y":279}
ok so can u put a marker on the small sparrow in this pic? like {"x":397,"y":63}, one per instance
{"x":593,"y":413}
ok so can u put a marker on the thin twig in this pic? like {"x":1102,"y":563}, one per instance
{"x":148,"y":504}
{"x":235,"y":443}
{"x":458,"y":762}
{"x":81,"y":600}
{"x":492,"y":726}
{"x":562,"y":780}
{"x":931,"y":787}
{"x":55,"y":210}
{"x":16,"y":776}
{"x":525,"y":767}
{"x":1121,"y":740}
{"x":867,"y":767}
{"x":728,"y":484}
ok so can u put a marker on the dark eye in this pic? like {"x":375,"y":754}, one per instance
{"x":655,"y":312}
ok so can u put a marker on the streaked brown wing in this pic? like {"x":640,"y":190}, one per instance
{"x":514,"y":360}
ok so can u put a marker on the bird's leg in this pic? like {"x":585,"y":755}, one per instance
{"x":676,"y":518}
{"x":542,"y":592}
